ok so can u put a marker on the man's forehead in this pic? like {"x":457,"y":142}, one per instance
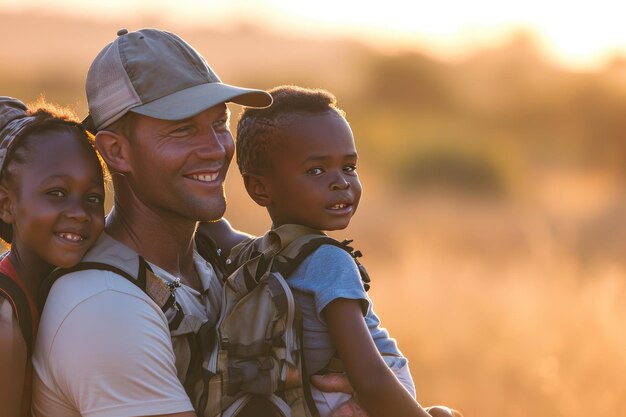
{"x":218,"y":110}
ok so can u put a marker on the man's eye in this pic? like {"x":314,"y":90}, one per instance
{"x":315,"y":171}
{"x":221,"y":124}
{"x":182,"y":131}
{"x":349,"y":168}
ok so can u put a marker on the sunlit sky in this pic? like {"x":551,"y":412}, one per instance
{"x":582,"y":34}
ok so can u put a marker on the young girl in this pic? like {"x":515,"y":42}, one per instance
{"x":298,"y":160}
{"x":51,"y":212}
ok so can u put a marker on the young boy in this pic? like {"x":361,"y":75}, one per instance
{"x":298,"y":159}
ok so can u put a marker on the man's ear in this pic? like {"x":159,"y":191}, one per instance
{"x":257,"y":189}
{"x":6,"y":205}
{"x":115,"y":150}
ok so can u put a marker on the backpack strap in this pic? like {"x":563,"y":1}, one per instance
{"x":286,"y":247}
{"x":207,"y":248}
{"x":356,"y":254}
{"x":160,"y":292}
{"x":306,"y":384}
{"x":286,"y":265}
{"x":21,"y":308}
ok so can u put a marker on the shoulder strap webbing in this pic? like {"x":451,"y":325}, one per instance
{"x":46,"y":284}
{"x":207,"y":248}
{"x":306,"y":384}
{"x":286,"y":266}
{"x":286,"y":247}
{"x":10,"y":290}
{"x":356,"y":254}
{"x":145,"y":279}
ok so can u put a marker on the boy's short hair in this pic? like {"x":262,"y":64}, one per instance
{"x":258,"y":130}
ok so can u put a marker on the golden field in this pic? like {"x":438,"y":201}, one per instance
{"x":492,"y":221}
{"x":497,"y":313}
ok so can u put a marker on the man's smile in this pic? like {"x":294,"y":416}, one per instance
{"x":204,"y":177}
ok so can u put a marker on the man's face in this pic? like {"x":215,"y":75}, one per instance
{"x":178,"y":167}
{"x":313,"y":179}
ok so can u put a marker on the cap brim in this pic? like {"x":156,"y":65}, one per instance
{"x":191,"y":101}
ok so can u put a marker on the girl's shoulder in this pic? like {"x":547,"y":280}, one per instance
{"x":9,"y":326}
{"x":16,"y":309}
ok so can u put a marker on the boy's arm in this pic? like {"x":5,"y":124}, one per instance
{"x":392,"y":356}
{"x":378,"y":390}
{"x":223,"y":234}
{"x":338,"y":382}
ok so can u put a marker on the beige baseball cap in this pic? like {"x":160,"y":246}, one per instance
{"x":157,"y":74}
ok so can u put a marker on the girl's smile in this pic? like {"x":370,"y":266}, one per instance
{"x":56,"y":198}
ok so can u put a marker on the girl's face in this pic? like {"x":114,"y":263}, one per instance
{"x":56,"y":198}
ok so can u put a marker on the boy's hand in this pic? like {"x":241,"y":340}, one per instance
{"x":335,"y":382}
{"x":350,"y":408}
{"x":338,"y":382}
{"x":442,"y":411}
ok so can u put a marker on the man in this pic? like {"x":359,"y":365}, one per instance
{"x":104,"y":348}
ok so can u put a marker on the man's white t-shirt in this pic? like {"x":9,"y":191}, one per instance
{"x":104,"y":348}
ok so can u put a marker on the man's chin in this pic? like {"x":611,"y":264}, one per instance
{"x":213,"y":214}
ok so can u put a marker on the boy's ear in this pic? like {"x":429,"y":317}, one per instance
{"x":6,"y":205}
{"x":115,"y":150}
{"x":257,"y":189}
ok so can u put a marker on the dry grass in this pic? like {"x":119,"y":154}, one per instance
{"x":496,"y":313}
{"x":499,"y":327}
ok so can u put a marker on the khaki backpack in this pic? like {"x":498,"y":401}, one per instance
{"x":257,"y":342}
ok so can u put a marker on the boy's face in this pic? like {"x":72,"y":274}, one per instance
{"x":57,"y":202}
{"x":312,"y":179}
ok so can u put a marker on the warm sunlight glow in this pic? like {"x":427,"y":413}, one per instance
{"x":575,"y":34}
{"x":492,"y":152}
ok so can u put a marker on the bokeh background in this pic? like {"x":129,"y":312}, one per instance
{"x":492,"y":151}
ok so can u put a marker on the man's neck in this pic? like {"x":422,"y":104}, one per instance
{"x":167,"y":243}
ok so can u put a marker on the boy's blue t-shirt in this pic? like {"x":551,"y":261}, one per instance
{"x":327,"y":274}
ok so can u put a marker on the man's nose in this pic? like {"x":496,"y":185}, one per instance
{"x":211,"y":145}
